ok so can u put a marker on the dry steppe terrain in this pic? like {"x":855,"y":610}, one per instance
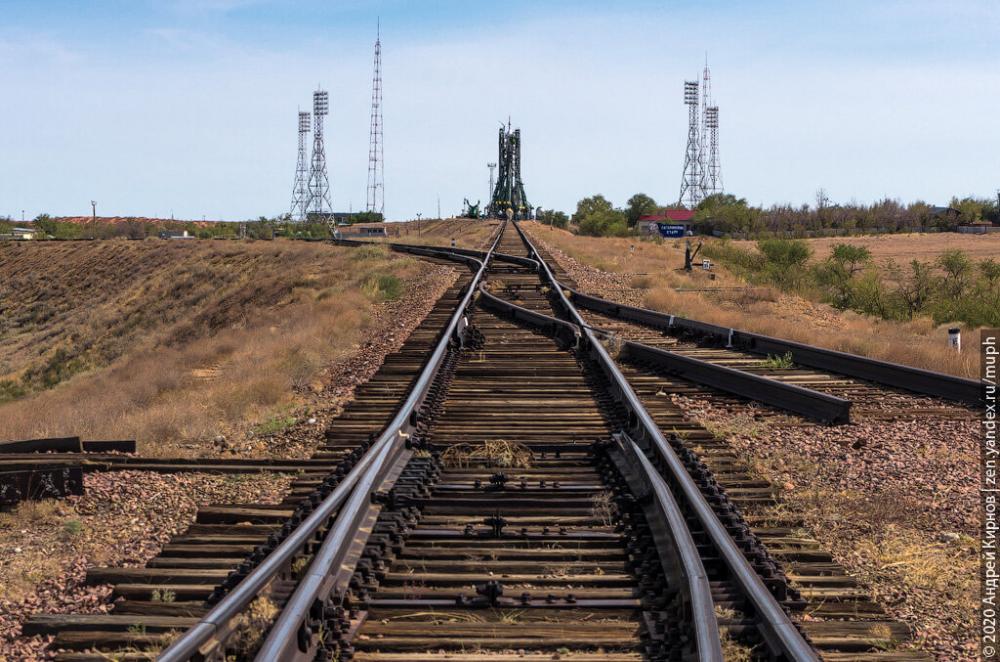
{"x":902,"y":248}
{"x":654,"y":270}
{"x":177,"y":343}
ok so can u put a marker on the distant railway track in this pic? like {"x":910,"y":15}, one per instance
{"x":502,"y":490}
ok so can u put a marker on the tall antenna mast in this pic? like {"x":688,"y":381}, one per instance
{"x":319,"y":184}
{"x":706,"y":101}
{"x":691,"y":192}
{"x":300,"y":188}
{"x":376,"y":170}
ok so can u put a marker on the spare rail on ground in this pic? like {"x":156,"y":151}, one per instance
{"x":290,"y":633}
{"x":927,"y":382}
{"x":777,"y":629}
{"x":805,"y":401}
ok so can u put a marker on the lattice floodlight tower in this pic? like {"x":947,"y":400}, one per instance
{"x":691,"y":193}
{"x":713,"y":176}
{"x":508,"y":194}
{"x":376,"y":170}
{"x":300,"y":189}
{"x":319,"y":184}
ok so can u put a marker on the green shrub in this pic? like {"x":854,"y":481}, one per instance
{"x":72,"y":527}
{"x":11,"y":390}
{"x":384,"y":287}
{"x":778,"y":362}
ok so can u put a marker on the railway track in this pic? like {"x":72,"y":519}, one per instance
{"x":915,"y":393}
{"x":500,"y":491}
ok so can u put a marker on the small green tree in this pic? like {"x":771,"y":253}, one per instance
{"x":917,"y":289}
{"x":853,"y":258}
{"x":637,"y":206}
{"x":785,"y":259}
{"x":957,"y":267}
{"x":597,"y":217}
{"x":554,"y":218}
{"x":604,"y":223}
{"x":990,"y":270}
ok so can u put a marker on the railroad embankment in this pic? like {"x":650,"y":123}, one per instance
{"x":199,"y":347}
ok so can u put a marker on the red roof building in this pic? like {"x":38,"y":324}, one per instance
{"x":669,"y":216}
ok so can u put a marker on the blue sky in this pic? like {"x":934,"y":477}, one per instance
{"x":189,"y":106}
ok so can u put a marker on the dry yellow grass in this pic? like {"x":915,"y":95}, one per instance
{"x":490,"y":453}
{"x":902,"y":248}
{"x":180,"y":341}
{"x":729,"y":301}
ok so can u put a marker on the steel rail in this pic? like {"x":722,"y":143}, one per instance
{"x":812,"y":404}
{"x":288,"y":636}
{"x":707,"y":638}
{"x":808,"y":402}
{"x":776,"y":627}
{"x":905,"y":377}
{"x":468,"y":252}
{"x":791,"y":397}
{"x":192,"y":643}
{"x":689,"y":564}
{"x":561,"y":329}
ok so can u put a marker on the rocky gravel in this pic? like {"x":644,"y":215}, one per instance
{"x":122,"y":519}
{"x":893,"y":501}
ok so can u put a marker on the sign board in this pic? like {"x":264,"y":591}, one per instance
{"x":671,"y":230}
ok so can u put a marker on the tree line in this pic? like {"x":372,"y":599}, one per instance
{"x":725,"y":214}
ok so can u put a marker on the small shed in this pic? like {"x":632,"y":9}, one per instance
{"x":24,"y":234}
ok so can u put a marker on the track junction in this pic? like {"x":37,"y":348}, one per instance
{"x":511,"y":486}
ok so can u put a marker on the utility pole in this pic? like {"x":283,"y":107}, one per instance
{"x":439,"y":207}
{"x":418,"y":223}
{"x":93,"y":210}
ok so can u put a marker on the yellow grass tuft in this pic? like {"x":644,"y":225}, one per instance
{"x":491,"y":453}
